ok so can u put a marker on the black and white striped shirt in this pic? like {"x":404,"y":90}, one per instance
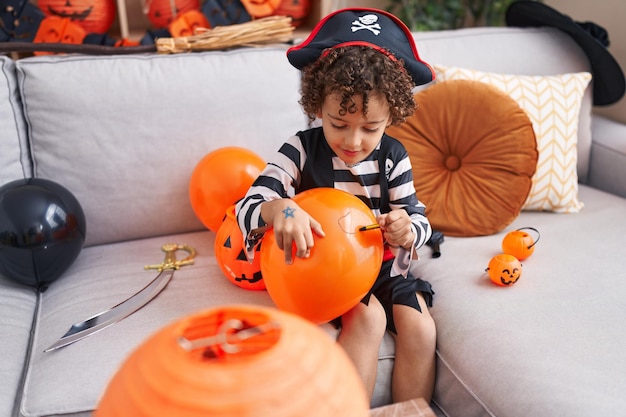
{"x":383,"y":181}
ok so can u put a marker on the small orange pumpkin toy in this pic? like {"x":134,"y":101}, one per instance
{"x":230,"y":255}
{"x":519,"y":243}
{"x":504,"y":269}
{"x":236,"y":361}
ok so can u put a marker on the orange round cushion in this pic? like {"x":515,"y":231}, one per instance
{"x":473,"y":152}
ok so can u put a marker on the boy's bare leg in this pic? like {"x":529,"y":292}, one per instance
{"x":362,"y":331}
{"x":414,"y":367}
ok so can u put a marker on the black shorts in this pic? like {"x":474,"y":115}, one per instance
{"x":396,"y":290}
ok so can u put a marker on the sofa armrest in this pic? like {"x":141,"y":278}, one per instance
{"x":607,"y":165}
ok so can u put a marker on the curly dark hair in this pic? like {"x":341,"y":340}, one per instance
{"x":357,"y":70}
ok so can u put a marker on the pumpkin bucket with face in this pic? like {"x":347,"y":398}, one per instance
{"x":94,"y":16}
{"x":519,"y":243}
{"x":504,"y":269}
{"x":236,"y":361}
{"x":231,"y":257}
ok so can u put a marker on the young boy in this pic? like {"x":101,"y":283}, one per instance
{"x":359,"y":68}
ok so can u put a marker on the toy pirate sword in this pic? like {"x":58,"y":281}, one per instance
{"x":124,"y":309}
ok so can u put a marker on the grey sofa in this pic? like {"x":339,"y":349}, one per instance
{"x":123,"y":134}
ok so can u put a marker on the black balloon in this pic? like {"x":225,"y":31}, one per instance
{"x":42,"y":230}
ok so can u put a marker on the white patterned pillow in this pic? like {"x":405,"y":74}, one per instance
{"x":552,"y":103}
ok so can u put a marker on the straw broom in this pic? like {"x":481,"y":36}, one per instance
{"x":254,"y":33}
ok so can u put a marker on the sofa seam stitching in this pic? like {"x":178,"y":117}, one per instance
{"x":464,"y":385}
{"x":17,"y":409}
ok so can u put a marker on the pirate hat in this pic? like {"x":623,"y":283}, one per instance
{"x":608,"y":78}
{"x":363,"y":27}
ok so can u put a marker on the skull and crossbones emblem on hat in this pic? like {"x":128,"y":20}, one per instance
{"x":367,"y":22}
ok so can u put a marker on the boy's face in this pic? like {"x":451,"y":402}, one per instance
{"x":353,"y":136}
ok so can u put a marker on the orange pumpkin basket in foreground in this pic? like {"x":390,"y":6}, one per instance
{"x":237,"y":361}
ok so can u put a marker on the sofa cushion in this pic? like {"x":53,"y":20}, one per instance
{"x":473,"y":153}
{"x":550,"y":345}
{"x":14,"y":157}
{"x":524,"y":51}
{"x":553,"y":104}
{"x":102,"y":277}
{"x":123,"y":133}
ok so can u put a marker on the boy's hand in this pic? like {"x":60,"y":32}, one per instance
{"x":397,"y":228}
{"x":291,"y":225}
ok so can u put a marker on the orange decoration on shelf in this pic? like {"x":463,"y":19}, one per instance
{"x":94,"y":16}
{"x":231,"y":257}
{"x":261,"y":8}
{"x":58,"y":30}
{"x":126,"y":42}
{"x":342,"y":266}
{"x":504,"y":269}
{"x":219,"y":180}
{"x":298,"y":10}
{"x":187,"y":23}
{"x":236,"y":361}
{"x":519,"y":243}
{"x":163,"y":12}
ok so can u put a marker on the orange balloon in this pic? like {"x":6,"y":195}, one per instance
{"x":231,"y":257}
{"x":504,"y":269}
{"x":236,"y":361}
{"x":519,"y":243}
{"x":219,"y":180}
{"x":342,"y":266}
